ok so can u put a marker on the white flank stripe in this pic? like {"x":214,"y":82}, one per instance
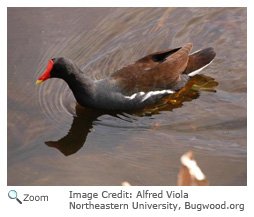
{"x":149,"y":94}
{"x":134,"y":95}
{"x":131,"y":97}
{"x":198,"y":70}
{"x":152,"y":93}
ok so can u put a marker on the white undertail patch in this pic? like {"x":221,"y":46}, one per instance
{"x":198,"y":70}
{"x":195,"y":52}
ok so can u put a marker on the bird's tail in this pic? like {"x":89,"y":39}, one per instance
{"x":199,"y":60}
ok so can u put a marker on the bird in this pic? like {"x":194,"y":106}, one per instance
{"x":142,"y":83}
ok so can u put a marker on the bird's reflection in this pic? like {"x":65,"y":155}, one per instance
{"x":83,"y":121}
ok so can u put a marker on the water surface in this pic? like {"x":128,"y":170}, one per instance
{"x":53,"y":141}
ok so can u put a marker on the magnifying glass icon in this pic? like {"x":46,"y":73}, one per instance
{"x":13,"y":195}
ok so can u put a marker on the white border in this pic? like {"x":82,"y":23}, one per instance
{"x":130,"y":3}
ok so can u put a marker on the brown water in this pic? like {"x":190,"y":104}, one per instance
{"x":52,"y":141}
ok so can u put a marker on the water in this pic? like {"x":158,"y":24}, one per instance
{"x":53,"y":141}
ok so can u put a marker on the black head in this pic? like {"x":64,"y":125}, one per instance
{"x":59,"y":67}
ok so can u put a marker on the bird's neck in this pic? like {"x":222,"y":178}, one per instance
{"x":82,"y":87}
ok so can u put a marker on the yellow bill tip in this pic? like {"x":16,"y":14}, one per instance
{"x":39,"y":81}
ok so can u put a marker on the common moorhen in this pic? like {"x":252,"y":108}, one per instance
{"x":135,"y":86}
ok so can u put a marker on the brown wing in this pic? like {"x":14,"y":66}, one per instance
{"x":144,"y":63}
{"x":157,"y":71}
